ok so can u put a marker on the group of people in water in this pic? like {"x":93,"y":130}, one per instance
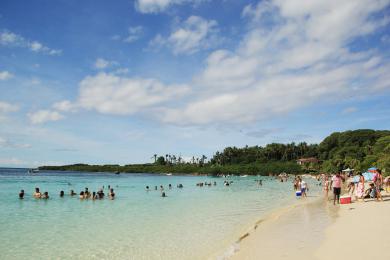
{"x":85,"y":194}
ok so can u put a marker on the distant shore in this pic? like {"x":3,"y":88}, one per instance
{"x":319,"y":230}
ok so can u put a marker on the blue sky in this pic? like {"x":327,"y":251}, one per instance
{"x":117,"y":81}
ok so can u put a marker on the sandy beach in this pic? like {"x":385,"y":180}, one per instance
{"x":319,"y":230}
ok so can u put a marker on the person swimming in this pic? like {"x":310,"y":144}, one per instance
{"x":37,"y":193}
{"x":87,"y":194}
{"x":72,"y":193}
{"x":155,"y":187}
{"x":100,"y":194}
{"x":163,"y":195}
{"x":95,"y":196}
{"x":82,"y":195}
{"x":147,"y":188}
{"x":62,"y":193}
{"x":111,"y":194}
{"x":21,"y":194}
{"x":45,"y":195}
{"x":170,"y":186}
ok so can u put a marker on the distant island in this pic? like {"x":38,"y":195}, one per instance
{"x":358,"y":149}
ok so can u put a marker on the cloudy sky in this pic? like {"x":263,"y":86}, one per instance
{"x":99,"y":81}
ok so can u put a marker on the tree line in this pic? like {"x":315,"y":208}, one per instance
{"x":358,"y":149}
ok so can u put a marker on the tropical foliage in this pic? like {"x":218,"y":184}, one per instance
{"x":359,"y":149}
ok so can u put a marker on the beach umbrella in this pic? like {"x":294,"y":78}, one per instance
{"x":368,"y":176}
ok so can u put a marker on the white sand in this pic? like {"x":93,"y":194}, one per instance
{"x":322,"y":231}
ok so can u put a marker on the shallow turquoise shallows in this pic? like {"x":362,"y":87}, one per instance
{"x":191,"y":223}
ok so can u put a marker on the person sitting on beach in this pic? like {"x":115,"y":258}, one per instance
{"x":37,"y":193}
{"x":62,"y":193}
{"x":163,"y":195}
{"x":336,"y":184}
{"x":72,"y":193}
{"x":111,"y":194}
{"x":45,"y":195}
{"x":370,"y":193}
{"x":21,"y":194}
{"x":82,"y":195}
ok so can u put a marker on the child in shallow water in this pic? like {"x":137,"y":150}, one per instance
{"x":45,"y":195}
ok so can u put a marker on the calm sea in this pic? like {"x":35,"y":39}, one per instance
{"x":191,"y":223}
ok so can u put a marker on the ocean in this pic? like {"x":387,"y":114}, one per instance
{"x":190,"y":223}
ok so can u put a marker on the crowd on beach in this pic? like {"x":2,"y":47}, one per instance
{"x":85,"y":194}
{"x":355,"y":185}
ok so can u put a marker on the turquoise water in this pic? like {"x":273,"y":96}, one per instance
{"x":191,"y":223}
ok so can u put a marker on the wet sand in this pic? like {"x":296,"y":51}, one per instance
{"x":318,"y":230}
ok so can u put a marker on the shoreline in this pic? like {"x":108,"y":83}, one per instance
{"x":244,"y":241}
{"x":315,"y":229}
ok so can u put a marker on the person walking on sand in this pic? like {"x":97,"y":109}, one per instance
{"x":378,"y":181}
{"x":336,"y":184}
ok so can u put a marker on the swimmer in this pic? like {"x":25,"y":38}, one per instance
{"x":111,"y":195}
{"x":147,"y":188}
{"x":72,"y":193}
{"x":82,"y":195}
{"x":45,"y":195}
{"x":62,"y":193}
{"x":163,"y":195}
{"x":170,"y":186}
{"x":37,"y":193}
{"x":21,"y":194}
{"x":155,"y":187}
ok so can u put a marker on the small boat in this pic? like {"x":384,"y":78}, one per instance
{"x":169,"y":174}
{"x":243,"y":176}
{"x":117,"y":173}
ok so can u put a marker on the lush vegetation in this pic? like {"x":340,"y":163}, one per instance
{"x":359,"y":149}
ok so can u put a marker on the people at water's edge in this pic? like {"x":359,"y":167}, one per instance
{"x":336,"y":184}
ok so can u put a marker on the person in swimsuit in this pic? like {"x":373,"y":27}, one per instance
{"x":111,"y":194}
{"x":304,"y":188}
{"x":378,"y":181}
{"x":37,"y":193}
{"x":62,"y":194}
{"x":325,"y":186}
{"x":45,"y":195}
{"x":21,"y":194}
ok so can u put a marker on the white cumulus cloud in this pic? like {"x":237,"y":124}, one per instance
{"x":112,"y":94}
{"x":101,"y":63}
{"x":43,"y":116}
{"x":194,"y":34}
{"x":6,"y":107}
{"x":11,"y":39}
{"x":156,"y":6}
{"x":4,"y":75}
{"x":135,"y":33}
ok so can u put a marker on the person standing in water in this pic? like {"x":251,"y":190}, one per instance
{"x":21,"y":194}
{"x":304,"y":188}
